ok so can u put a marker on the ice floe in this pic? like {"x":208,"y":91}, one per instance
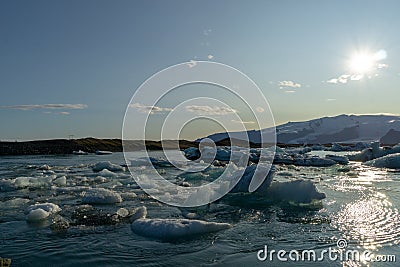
{"x":300,"y":191}
{"x":107,"y":165}
{"x":248,"y":175}
{"x":172,"y":229}
{"x":48,"y":207}
{"x":391,"y":161}
{"x":339,"y":159}
{"x":375,"y":151}
{"x":37,"y":215}
{"x":101,"y":196}
{"x":40,"y":212}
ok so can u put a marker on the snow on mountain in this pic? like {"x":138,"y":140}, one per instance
{"x":342,"y":128}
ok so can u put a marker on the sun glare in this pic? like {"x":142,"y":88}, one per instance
{"x":364,"y":62}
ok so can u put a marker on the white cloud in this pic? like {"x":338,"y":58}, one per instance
{"x":382,"y":66}
{"x":372,"y":62}
{"x":260,"y":109}
{"x":64,"y":113}
{"x":243,"y":122}
{"x":290,"y":91}
{"x":356,"y":77}
{"x":192,"y":63}
{"x":210,"y":57}
{"x":341,"y":79}
{"x":46,"y":106}
{"x":208,"y":110}
{"x":330,"y":99}
{"x":149,"y":109}
{"x":286,"y":84}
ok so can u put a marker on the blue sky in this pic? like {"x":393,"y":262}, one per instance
{"x":90,"y":56}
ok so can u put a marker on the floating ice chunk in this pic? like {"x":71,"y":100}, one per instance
{"x":22,"y":182}
{"x":32,"y":182}
{"x":48,"y":207}
{"x":107,"y":165}
{"x":44,"y":167}
{"x":300,"y":191}
{"x":248,"y":175}
{"x":13,"y":203}
{"x":190,"y":215}
{"x":37,"y":215}
{"x":391,"y":161}
{"x":138,"y":213}
{"x":60,"y":181}
{"x":101,"y":196}
{"x":128,"y":196}
{"x":192,"y":153}
{"x":337,"y":148}
{"x":314,"y":161}
{"x":339,"y":159}
{"x":375,"y":152}
{"x":172,"y":229}
{"x":107,"y":173}
{"x":122,"y":212}
{"x":299,"y":150}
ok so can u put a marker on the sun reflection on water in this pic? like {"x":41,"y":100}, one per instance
{"x":371,"y":221}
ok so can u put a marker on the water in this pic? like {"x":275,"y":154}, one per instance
{"x":361,"y":206}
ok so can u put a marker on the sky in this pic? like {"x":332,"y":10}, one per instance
{"x":72,"y":67}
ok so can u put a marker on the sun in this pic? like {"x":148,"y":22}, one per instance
{"x":362,"y":63}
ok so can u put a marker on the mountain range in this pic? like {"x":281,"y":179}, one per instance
{"x":338,"y":129}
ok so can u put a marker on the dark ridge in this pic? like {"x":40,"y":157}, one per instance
{"x":90,"y":145}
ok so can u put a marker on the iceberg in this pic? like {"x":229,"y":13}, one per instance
{"x":107,"y":165}
{"x":37,"y":215}
{"x":375,"y":151}
{"x":391,"y":161}
{"x":339,"y":159}
{"x":248,"y":175}
{"x":172,"y":229}
{"x":41,"y":211}
{"x":299,"y":191}
{"x":48,"y":207}
{"x":303,"y":160}
{"x":192,"y":153}
{"x":60,"y":181}
{"x":101,"y":196}
{"x":107,"y":173}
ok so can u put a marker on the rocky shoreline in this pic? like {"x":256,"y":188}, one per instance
{"x":90,"y":145}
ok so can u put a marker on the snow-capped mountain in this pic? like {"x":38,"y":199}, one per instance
{"x":342,"y":128}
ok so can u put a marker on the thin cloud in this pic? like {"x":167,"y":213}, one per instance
{"x":288,"y":84}
{"x":192,"y":63}
{"x":290,"y":91}
{"x":260,"y":109}
{"x":46,"y":106}
{"x":372,"y":71}
{"x":149,"y":109}
{"x":341,"y":79}
{"x":243,"y":122}
{"x":64,"y":113}
{"x":208,"y":110}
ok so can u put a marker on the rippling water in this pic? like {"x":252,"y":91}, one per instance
{"x":361,"y":206}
